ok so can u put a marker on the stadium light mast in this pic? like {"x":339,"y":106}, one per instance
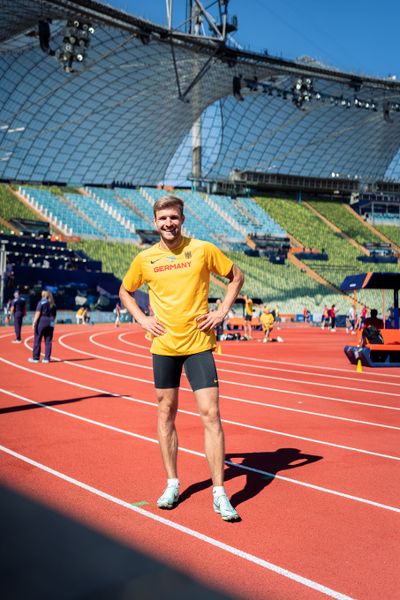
{"x":197,"y":18}
{"x":196,"y":129}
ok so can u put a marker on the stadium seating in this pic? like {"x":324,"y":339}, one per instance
{"x":284,"y":285}
{"x":59,"y":213}
{"x":392,"y":232}
{"x":345,"y":221}
{"x":224,"y":221}
{"x":311,"y":232}
{"x":78,"y":215}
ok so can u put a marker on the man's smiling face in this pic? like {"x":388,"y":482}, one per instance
{"x":168,"y":222}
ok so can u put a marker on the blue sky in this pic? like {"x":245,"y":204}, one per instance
{"x":352,"y":35}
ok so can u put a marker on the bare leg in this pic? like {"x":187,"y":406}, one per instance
{"x":208,"y":404}
{"x":167,"y":435}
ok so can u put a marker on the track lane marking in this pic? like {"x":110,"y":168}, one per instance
{"x":282,"y":362}
{"x":238,"y":424}
{"x":265,"y":388}
{"x":234,"y":399}
{"x":195,"y":452}
{"x":221,"y":359}
{"x":183,"y":529}
{"x":262,"y":376}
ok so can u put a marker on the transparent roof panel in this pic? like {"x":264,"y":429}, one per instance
{"x":124,"y":114}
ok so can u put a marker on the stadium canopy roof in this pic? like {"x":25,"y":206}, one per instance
{"x":124,"y":114}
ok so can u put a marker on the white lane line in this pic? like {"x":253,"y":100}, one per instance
{"x":186,"y":530}
{"x":278,"y":378}
{"x":235,"y":423}
{"x":221,"y":359}
{"x":264,"y":388}
{"x":279,"y":362}
{"x":5,"y":335}
{"x":201,"y":454}
{"x":235,"y":399}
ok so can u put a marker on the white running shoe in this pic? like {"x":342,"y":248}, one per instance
{"x":223,"y":507}
{"x":33,"y":360}
{"x":170,"y":497}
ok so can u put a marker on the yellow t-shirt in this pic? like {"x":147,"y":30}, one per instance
{"x":178,"y":282}
{"x":267,"y":321}
{"x":249,"y":307}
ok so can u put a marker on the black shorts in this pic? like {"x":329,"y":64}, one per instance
{"x":247,"y":317}
{"x":199,"y":368}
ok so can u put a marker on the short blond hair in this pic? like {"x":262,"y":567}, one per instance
{"x":168,"y":202}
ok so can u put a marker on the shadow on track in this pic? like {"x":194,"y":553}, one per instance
{"x":259,"y":468}
{"x":11,"y":409}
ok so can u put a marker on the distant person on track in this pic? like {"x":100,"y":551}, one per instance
{"x":363,"y":316}
{"x":18,"y":311}
{"x":351,"y":320}
{"x":43,"y":327}
{"x":332,"y":317}
{"x":87,"y":315}
{"x":177,"y":272}
{"x":325,"y":317}
{"x":80,"y":313}
{"x":248,"y":315}
{"x":117,"y":313}
{"x":267,"y":321}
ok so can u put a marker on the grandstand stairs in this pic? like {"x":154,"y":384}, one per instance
{"x":336,"y":229}
{"x":372,"y":228}
{"x":20,"y":198}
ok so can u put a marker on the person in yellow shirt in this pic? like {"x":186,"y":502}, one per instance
{"x":182,"y":328}
{"x":248,"y":315}
{"x":267,"y":321}
{"x":80,"y":313}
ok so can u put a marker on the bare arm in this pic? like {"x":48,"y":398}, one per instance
{"x":147,"y":323}
{"x":213,"y":318}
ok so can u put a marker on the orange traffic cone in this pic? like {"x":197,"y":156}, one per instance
{"x":359,"y":366}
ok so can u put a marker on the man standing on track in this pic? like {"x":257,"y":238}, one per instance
{"x":177,"y":272}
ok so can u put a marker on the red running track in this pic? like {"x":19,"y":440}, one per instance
{"x":312,"y":459}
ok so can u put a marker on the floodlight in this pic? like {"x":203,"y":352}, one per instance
{"x":75,"y":42}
